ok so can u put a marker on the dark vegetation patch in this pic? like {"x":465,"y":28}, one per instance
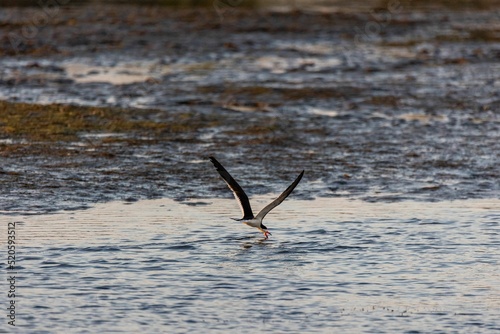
{"x":56,"y":122}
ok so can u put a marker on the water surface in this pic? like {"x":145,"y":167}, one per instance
{"x":331,"y":264}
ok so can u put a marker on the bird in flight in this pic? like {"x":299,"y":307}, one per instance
{"x":242,"y":198}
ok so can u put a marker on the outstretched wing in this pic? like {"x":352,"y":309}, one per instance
{"x":280,"y":199}
{"x":238,"y":192}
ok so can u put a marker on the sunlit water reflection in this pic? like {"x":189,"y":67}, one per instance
{"x":331,"y":264}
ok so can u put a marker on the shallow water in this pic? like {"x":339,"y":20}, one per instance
{"x":331,"y":264}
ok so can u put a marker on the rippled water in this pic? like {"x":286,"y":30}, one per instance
{"x":331,"y":265}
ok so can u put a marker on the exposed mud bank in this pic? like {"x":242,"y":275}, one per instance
{"x":127,"y":102}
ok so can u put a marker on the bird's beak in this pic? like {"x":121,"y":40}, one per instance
{"x":267,"y":233}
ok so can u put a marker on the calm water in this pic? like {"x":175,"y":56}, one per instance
{"x":331,"y":265}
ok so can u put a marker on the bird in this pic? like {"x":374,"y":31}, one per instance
{"x":242,"y":199}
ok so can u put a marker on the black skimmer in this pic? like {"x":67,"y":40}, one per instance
{"x":242,"y":198}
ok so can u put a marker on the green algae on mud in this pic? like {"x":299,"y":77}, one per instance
{"x":56,"y":122}
{"x":75,"y":155}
